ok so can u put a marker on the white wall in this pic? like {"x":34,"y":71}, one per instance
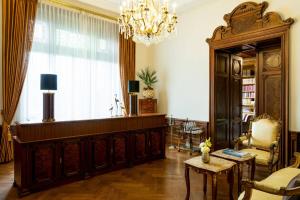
{"x":144,"y":58}
{"x":183,"y":62}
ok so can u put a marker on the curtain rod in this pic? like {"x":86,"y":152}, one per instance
{"x":79,"y":8}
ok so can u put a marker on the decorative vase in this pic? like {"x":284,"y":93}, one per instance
{"x":205,"y":157}
{"x":148,"y":93}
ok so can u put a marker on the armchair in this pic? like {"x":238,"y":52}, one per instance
{"x":275,"y":186}
{"x":262,"y":140}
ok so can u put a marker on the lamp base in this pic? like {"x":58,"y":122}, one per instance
{"x":133,"y":105}
{"x":48,"y":107}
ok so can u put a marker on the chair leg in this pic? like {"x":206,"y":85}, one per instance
{"x":270,"y":169}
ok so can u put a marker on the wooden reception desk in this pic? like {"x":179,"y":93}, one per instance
{"x":50,"y":154}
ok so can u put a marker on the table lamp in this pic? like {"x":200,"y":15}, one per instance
{"x":48,"y":82}
{"x":133,"y":89}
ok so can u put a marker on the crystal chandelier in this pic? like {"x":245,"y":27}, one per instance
{"x":147,"y":21}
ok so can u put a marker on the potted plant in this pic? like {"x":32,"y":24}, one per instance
{"x":149,"y":78}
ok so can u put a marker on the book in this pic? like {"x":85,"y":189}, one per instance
{"x":238,"y":154}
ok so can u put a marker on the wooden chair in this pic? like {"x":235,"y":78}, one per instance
{"x":263,"y":140}
{"x":274,"y":186}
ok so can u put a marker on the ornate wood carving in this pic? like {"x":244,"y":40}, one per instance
{"x":119,"y":143}
{"x":101,"y":152}
{"x":43,"y":163}
{"x":140,"y":145}
{"x":50,"y":154}
{"x":156,"y":142}
{"x":247,"y":17}
{"x":248,"y":23}
{"x":71,"y":158}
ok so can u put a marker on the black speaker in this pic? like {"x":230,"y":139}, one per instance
{"x":133,"y":86}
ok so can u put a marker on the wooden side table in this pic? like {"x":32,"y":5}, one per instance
{"x":250,"y":161}
{"x":215,"y":167}
{"x":147,"y":106}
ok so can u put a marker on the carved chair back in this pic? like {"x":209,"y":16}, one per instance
{"x":264,"y":130}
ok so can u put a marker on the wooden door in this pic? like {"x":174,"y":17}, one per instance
{"x":270,"y":83}
{"x":222,"y":93}
{"x":235,"y":98}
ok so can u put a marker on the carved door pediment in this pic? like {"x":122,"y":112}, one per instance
{"x":248,"y":17}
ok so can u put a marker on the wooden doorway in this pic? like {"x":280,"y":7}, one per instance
{"x":268,"y":34}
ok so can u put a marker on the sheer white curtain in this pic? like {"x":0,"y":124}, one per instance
{"x":83,"y":51}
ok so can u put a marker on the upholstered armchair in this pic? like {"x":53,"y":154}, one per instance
{"x":263,"y":140}
{"x":281,"y":185}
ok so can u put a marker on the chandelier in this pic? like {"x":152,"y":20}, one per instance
{"x":147,"y":21}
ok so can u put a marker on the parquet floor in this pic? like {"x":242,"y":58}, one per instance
{"x":158,"y":180}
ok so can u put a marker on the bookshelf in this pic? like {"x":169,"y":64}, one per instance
{"x":248,"y":88}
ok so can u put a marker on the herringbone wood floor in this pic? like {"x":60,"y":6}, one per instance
{"x":158,"y":180}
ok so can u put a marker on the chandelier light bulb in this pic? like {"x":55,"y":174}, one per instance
{"x":146,"y":21}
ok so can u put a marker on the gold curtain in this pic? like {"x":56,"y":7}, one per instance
{"x":18,"y":17}
{"x":127,"y":66}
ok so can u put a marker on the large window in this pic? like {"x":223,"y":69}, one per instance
{"x":83,"y":51}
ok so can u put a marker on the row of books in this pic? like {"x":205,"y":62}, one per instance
{"x":238,"y":154}
{"x":247,"y":116}
{"x":248,"y":95}
{"x":247,"y":88}
{"x":248,"y":72}
{"x":249,"y":81}
{"x":248,"y":102}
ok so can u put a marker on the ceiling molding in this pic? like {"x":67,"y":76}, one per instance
{"x":114,"y":5}
{"x":87,"y":8}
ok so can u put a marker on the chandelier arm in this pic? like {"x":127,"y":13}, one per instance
{"x":158,"y":27}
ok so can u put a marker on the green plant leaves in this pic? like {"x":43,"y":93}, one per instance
{"x":148,"y":77}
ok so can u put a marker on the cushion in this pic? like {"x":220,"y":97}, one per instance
{"x":264,"y":132}
{"x":295,"y":182}
{"x":262,"y":157}
{"x":278,"y":179}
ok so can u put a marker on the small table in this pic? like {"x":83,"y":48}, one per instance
{"x":215,"y":167}
{"x":250,"y":160}
{"x":190,"y":132}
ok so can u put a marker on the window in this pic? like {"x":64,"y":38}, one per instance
{"x":83,"y":51}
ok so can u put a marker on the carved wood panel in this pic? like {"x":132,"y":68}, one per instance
{"x":101,"y":152}
{"x":140,"y":145}
{"x":43,"y":163}
{"x":119,"y":149}
{"x":222,"y":136}
{"x":271,"y":60}
{"x":71,"y":158}
{"x":248,"y":17}
{"x":155,"y":138}
{"x":270,"y":97}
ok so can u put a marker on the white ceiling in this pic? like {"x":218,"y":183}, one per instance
{"x":114,"y":5}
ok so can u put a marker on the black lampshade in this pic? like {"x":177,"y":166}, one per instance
{"x":133,"y":86}
{"x":48,"y":82}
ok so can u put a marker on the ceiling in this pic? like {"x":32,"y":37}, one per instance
{"x":114,"y":5}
